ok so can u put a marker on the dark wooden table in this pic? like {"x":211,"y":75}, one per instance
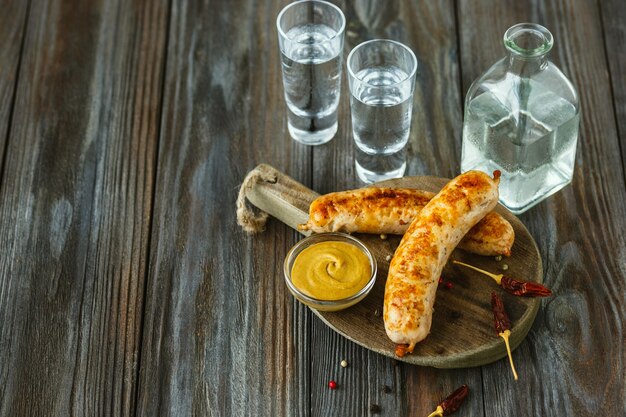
{"x":126,"y":286}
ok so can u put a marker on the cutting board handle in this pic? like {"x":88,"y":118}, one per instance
{"x":275,"y":194}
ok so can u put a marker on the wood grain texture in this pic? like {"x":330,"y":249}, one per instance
{"x":220,"y":335}
{"x":614,"y":24}
{"x":75,"y":205}
{"x":462,"y":332}
{"x":12,"y":28}
{"x":80,"y":236}
{"x":576,"y":346}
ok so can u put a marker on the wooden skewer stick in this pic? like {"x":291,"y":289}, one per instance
{"x":503,"y":326}
{"x":505,"y":335}
{"x":497,"y":278}
{"x":513,"y":286}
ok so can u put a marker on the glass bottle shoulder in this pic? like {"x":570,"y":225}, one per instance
{"x":510,"y":88}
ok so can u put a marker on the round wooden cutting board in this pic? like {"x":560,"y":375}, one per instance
{"x":462,"y":332}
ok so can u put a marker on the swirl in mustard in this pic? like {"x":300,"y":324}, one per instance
{"x":331,"y":270}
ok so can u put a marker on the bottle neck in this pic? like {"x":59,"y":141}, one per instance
{"x":525,"y":67}
{"x":528,"y":45}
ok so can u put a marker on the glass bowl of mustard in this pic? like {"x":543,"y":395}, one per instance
{"x":330,"y":271}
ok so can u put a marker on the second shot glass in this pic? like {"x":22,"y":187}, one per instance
{"x":381,"y":76}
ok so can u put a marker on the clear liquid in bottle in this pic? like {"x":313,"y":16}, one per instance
{"x":522,"y":118}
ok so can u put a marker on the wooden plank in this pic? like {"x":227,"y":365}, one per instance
{"x":429,"y":28}
{"x":613,"y":17}
{"x":222,"y":335}
{"x":75,"y":207}
{"x":572,"y":362}
{"x":12,"y":27}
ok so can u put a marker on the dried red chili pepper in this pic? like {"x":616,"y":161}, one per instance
{"x":451,"y":403}
{"x":524,"y":288}
{"x":514,"y":286}
{"x":502,"y":325}
{"x":500,"y":318}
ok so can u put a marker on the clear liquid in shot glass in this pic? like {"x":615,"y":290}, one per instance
{"x":312,"y":80}
{"x":381,"y":121}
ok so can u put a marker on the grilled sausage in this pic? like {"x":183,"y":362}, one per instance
{"x":391,"y":210}
{"x":424,"y":250}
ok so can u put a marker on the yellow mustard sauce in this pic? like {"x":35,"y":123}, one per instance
{"x":331,"y":270}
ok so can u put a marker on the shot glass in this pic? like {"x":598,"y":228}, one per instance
{"x":381,"y":75}
{"x":310,"y":36}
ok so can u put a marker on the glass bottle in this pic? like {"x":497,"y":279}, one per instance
{"x":522,"y":117}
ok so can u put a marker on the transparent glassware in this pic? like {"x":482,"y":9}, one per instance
{"x":381,"y":76}
{"x":522,"y":118}
{"x":310,"y":37}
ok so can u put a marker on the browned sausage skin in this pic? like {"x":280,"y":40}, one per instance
{"x":424,"y":250}
{"x":391,"y":210}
